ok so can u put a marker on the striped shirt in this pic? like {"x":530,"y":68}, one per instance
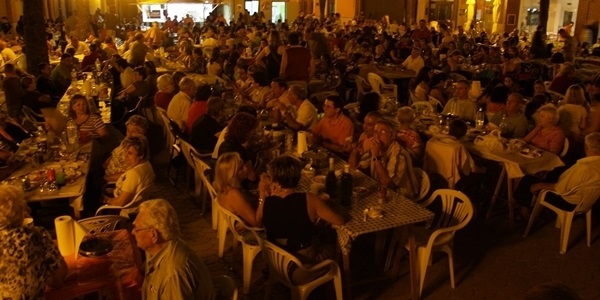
{"x":91,"y":126}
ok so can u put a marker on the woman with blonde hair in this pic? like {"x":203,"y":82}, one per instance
{"x":229,"y":173}
{"x":30,"y":258}
{"x":573,"y":113}
{"x":547,"y":135}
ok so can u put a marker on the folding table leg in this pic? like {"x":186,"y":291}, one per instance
{"x":496,"y":192}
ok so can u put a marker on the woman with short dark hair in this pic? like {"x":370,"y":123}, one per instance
{"x":290,"y":217}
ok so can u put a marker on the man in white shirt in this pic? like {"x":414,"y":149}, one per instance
{"x":461,"y":105}
{"x":80,"y":48}
{"x":179,"y":106}
{"x":126,"y":72}
{"x":210,"y":40}
{"x":300,"y":114}
{"x":414,"y":62}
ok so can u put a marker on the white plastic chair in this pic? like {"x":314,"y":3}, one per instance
{"x":361,"y":86}
{"x":457,"y":212}
{"x":187,"y":149}
{"x":225,"y":288}
{"x":425,"y":183}
{"x":436,"y":103}
{"x":129,"y":208}
{"x":101,"y":224}
{"x":282,"y":265}
{"x":379,"y":86}
{"x":172,"y":140}
{"x":201,"y":168}
{"x":588,"y":196}
{"x":227,"y":220}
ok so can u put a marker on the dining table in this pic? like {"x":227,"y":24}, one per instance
{"x":116,"y":274}
{"x":517,"y":158}
{"x":398,"y":212}
{"x":75,"y":165}
{"x":396,"y":72}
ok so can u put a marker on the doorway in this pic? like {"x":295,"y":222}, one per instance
{"x":278,"y":12}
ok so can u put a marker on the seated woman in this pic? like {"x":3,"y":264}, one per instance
{"x":166,"y":91}
{"x":547,"y":135}
{"x":30,"y":258}
{"x":573,"y":113}
{"x":420,"y":85}
{"x":139,"y":174}
{"x":290,"y":217}
{"x":138,"y":88}
{"x":86,"y":122}
{"x":438,"y":88}
{"x":408,"y":137}
{"x":116,"y":165}
{"x":229,"y":173}
{"x":237,"y":139}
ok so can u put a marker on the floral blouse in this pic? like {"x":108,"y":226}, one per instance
{"x":26,"y":255}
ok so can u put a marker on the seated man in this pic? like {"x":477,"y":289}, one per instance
{"x":32,"y":98}
{"x":205,"y":131}
{"x":391,"y":164}
{"x":179,"y":107}
{"x":333,"y":130}
{"x":301,"y":114}
{"x":461,"y":105}
{"x":515,"y":122}
{"x":585,"y":172}
{"x":360,"y":157}
{"x":173,"y":269}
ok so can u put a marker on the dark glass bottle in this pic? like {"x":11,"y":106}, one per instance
{"x":346,"y":187}
{"x":331,"y":180}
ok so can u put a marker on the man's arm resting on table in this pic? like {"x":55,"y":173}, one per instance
{"x":536,"y":187}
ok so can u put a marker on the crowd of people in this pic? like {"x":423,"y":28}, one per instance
{"x":268,"y":68}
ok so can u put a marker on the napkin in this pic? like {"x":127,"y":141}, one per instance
{"x":69,"y":234}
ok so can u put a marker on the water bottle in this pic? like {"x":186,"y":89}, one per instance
{"x":98,"y":65}
{"x":73,"y":76}
{"x":331,"y":180}
{"x":503,"y":125}
{"x":480,"y":118}
{"x":72,"y":134}
{"x":346,"y":187}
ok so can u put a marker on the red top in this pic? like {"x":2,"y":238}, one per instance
{"x":162,"y":99}
{"x":197,"y":110}
{"x":298,"y":63}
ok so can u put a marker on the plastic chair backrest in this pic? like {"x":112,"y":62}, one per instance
{"x":438,"y":104}
{"x":361,"y":84}
{"x":187,"y":148}
{"x":280,"y":262}
{"x":201,"y":168}
{"x":171,"y":138}
{"x":425,"y":183}
{"x":236,"y":224}
{"x":376,"y":82}
{"x":225,"y":288}
{"x":101,"y":224}
{"x":457,"y":209}
{"x":588,"y":196}
{"x":419,"y":106}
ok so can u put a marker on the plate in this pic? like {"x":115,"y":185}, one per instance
{"x":95,"y":247}
{"x":319,"y":179}
{"x":530,"y":153}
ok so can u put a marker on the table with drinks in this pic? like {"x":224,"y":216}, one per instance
{"x":367,"y":207}
{"x":97,"y":92}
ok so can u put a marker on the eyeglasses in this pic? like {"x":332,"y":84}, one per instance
{"x":381,"y":132}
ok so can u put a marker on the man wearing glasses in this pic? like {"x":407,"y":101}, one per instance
{"x":172,"y":270}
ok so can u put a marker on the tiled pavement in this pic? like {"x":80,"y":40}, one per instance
{"x":492,"y":259}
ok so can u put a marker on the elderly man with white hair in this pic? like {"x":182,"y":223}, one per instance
{"x":585,"y":172}
{"x":173,"y":270}
{"x":179,"y":107}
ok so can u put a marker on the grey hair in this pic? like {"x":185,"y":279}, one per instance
{"x":298,"y":90}
{"x":160,"y":215}
{"x":185,"y":83}
{"x":551,"y":109}
{"x":163,"y":81}
{"x":138,"y":121}
{"x":12,"y":206}
{"x":592,"y":141}
{"x":139,"y":143}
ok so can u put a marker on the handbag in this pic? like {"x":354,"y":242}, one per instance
{"x":492,"y":141}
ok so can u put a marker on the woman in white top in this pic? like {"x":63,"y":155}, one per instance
{"x":139,"y":174}
{"x":572,"y":113}
{"x":420,"y":85}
